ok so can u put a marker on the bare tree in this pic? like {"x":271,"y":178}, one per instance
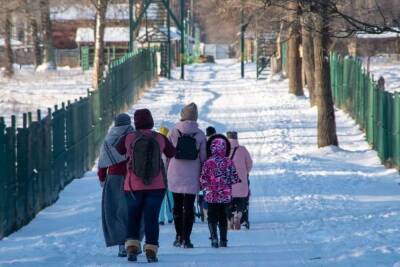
{"x":308,"y":52}
{"x":6,"y":34}
{"x":31,"y":11}
{"x":326,"y":113}
{"x":48,"y":48}
{"x":98,"y":65}
{"x":294,"y":61}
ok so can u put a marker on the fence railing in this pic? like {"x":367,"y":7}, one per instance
{"x":375,"y":110}
{"x":40,"y":158}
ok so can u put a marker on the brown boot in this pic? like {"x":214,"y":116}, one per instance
{"x":236,"y":220}
{"x":151,"y":252}
{"x":230,"y":224}
{"x":133,"y":249}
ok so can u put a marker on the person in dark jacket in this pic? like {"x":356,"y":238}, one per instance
{"x":210,"y":131}
{"x":111,"y":173}
{"x":144,"y":195}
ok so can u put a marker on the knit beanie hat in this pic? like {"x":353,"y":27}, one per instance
{"x":232,"y":135}
{"x":143,"y":119}
{"x":210,"y":131}
{"x":164,"y":131}
{"x":189,"y":113}
{"x":122,"y":120}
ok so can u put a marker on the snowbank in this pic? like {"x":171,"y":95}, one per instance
{"x":389,"y":69}
{"x":30,"y":90}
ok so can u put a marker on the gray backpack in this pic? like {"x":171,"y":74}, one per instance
{"x":146,"y":157}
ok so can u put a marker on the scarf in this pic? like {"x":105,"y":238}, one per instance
{"x":108,"y":153}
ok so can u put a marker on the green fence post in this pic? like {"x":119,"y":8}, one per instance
{"x":3,"y":177}
{"x":22,"y":173}
{"x":10,"y":174}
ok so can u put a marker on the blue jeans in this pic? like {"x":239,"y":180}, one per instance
{"x":166,"y":208}
{"x":145,"y":203}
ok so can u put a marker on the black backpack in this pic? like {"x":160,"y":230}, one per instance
{"x":146,"y":157}
{"x":186,"y":148}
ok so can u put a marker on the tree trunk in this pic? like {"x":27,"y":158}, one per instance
{"x":37,"y":59}
{"x":276,"y":60}
{"x":308,"y":55}
{"x":326,"y":112}
{"x":8,"y":53}
{"x":48,"y":48}
{"x":294,"y":61}
{"x":98,"y":65}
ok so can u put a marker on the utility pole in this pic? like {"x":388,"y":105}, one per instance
{"x":169,"y":41}
{"x":242,"y":29}
{"x":130,"y":25}
{"x":183,"y":39}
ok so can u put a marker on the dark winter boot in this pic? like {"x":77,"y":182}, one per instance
{"x":187,"y":244}
{"x":213,"y":234}
{"x":122,"y":251}
{"x":133,"y":249}
{"x":223,"y":243}
{"x":223,"y":234}
{"x":151,"y":252}
{"x":178,"y":241}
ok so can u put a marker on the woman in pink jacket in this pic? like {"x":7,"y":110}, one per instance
{"x":241,"y":191}
{"x":144,"y":184}
{"x":184,"y":172}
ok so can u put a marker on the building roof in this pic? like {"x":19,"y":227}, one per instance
{"x":85,"y":12}
{"x":111,"y":35}
{"x":384,"y":35}
{"x":88,"y":12}
{"x":14,"y":42}
{"x":159,"y":33}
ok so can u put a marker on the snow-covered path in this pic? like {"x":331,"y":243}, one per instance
{"x":309,"y":207}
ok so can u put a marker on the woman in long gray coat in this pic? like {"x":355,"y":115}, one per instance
{"x":184,"y":171}
{"x":111,"y":172}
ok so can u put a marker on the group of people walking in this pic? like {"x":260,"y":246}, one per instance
{"x":147,"y":174}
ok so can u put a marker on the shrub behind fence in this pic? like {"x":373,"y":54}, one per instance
{"x":375,"y":110}
{"x":42,"y":157}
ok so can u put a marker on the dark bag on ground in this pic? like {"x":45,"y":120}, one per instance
{"x":146,"y":158}
{"x":186,"y":147}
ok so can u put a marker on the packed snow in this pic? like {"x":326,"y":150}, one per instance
{"x":309,"y":207}
{"x":30,"y":90}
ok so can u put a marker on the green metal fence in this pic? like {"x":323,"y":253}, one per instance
{"x":40,"y":158}
{"x":85,"y":58}
{"x":375,"y":110}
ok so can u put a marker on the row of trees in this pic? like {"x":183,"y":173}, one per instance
{"x":313,"y":25}
{"x":38,"y":33}
{"x":36,"y":15}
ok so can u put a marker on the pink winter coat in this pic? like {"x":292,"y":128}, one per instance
{"x":183,"y":175}
{"x":134,"y":183}
{"x":218,"y":174}
{"x":243,"y":164}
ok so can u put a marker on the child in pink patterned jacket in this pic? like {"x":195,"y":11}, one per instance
{"x":217,"y":177}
